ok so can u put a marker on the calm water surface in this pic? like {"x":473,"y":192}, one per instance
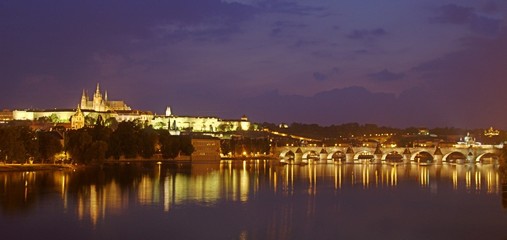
{"x":255,"y":200}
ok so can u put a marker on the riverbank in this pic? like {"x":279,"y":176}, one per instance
{"x":35,"y":167}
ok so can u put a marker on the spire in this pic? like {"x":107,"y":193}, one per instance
{"x":98,"y":88}
{"x":84,"y":94}
{"x":105,"y":96}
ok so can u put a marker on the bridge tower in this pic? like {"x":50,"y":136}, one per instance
{"x":406,"y":155}
{"x":349,"y":155}
{"x":377,"y":155}
{"x":437,"y":156}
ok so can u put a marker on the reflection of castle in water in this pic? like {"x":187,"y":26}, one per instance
{"x":230,"y":181}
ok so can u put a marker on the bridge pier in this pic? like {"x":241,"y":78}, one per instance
{"x":470,"y":157}
{"x":406,"y":158}
{"x":438,"y":156}
{"x":406,"y":155}
{"x":323,"y":156}
{"x":349,"y":155}
{"x":298,"y":156}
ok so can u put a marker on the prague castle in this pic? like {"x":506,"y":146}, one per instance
{"x":89,"y":110}
{"x":101,"y":104}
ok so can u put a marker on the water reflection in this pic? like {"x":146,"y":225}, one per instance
{"x":95,"y":195}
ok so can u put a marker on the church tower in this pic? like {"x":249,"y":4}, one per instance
{"x":84,"y":100}
{"x":97,"y":100}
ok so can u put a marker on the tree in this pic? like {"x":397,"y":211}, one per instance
{"x":90,"y":121}
{"x":148,"y":140}
{"x":172,"y":146}
{"x":49,"y":145}
{"x":78,"y":141}
{"x":54,"y":118}
{"x":168,"y":146}
{"x":12,"y":148}
{"x":98,"y":151}
{"x":126,"y":139}
{"x":112,"y":123}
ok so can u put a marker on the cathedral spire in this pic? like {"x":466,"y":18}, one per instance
{"x":98,"y":88}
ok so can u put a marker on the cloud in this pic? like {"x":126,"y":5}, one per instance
{"x":281,"y":26}
{"x":364,"y":33}
{"x":386,"y":75}
{"x":287,"y":7}
{"x":319,"y":76}
{"x":485,"y":25}
{"x":469,"y":83}
{"x":468,"y":16}
{"x":455,"y":14}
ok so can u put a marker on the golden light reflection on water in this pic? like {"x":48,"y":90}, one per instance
{"x":241,"y":182}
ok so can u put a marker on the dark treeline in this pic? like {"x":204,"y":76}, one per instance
{"x":237,"y":146}
{"x":21,"y":144}
{"x":333,"y":131}
{"x":128,"y":140}
{"x":90,"y":144}
{"x":355,"y":129}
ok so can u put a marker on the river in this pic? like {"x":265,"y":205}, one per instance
{"x":255,"y":199}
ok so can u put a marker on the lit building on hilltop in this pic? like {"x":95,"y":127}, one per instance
{"x":77,"y":120}
{"x":101,"y":104}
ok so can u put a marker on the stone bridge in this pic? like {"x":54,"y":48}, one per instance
{"x":438,"y":155}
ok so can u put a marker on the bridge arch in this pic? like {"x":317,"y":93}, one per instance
{"x":287,"y":154}
{"x":392,"y":156}
{"x":454,"y":157}
{"x":422,"y":156}
{"x":487,"y":157}
{"x":364,"y":155}
{"x":310,"y":154}
{"x":336,"y":156}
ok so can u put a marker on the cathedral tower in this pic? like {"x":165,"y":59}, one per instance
{"x":97,"y":100}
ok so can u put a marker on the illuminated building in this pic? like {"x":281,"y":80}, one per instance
{"x":77,"y":121}
{"x":205,"y":149}
{"x":99,"y":105}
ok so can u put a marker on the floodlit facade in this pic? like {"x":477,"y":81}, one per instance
{"x":99,"y":105}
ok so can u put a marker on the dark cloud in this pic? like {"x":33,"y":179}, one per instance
{"x":289,"y":24}
{"x":289,"y":7}
{"x":386,"y":75}
{"x":304,"y":43}
{"x":485,"y":25}
{"x":275,"y":32}
{"x":319,"y":76}
{"x":455,"y":14}
{"x":281,"y":26}
{"x":469,"y":84}
{"x":364,"y":33}
{"x":62,"y":39}
{"x":490,"y":7}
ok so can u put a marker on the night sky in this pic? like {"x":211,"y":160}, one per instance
{"x":397,"y":63}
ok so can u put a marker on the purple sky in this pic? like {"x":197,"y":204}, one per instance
{"x":397,"y":63}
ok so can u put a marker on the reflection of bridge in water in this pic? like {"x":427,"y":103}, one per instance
{"x":481,"y":177}
{"x":438,"y":155}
